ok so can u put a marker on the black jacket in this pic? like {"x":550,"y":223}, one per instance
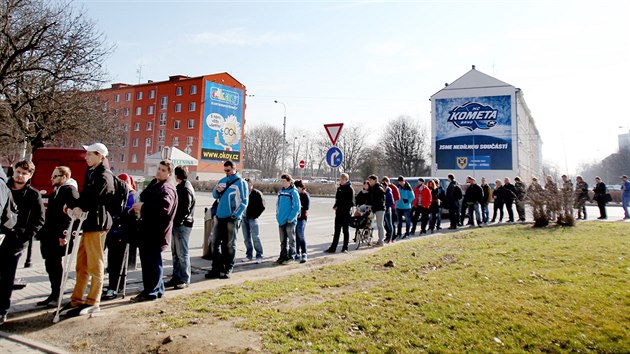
{"x":509,"y":193}
{"x":256,"y":204}
{"x":453,"y":194}
{"x":158,"y":211}
{"x":474,"y":194}
{"x":97,"y":191}
{"x":30,"y":218}
{"x":344,"y":199}
{"x":185,"y":204}
{"x":599,"y":190}
{"x":377,"y":194}
{"x":363,"y":198}
{"x":56,"y":221}
{"x":499,"y":195}
{"x":305,"y":203}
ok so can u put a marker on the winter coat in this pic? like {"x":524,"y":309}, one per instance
{"x":435,"y":201}
{"x":406,"y":197}
{"x":521,"y":190}
{"x":30,"y":218}
{"x":185,"y":204}
{"x":344,"y":199}
{"x":255,"y":205}
{"x":363,"y":198}
{"x":389,"y":198}
{"x":305,"y":204}
{"x":377,"y":195}
{"x":453,"y":194}
{"x":474,"y":194}
{"x":159,"y":202}
{"x":499,"y":195}
{"x":98,"y":190}
{"x":487,"y":194}
{"x":233,"y":200}
{"x":288,"y":206}
{"x":57,"y":221}
{"x":425,"y":197}
{"x":509,"y":193}
{"x":599,"y":190}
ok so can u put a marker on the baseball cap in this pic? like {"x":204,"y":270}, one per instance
{"x":401,"y":178}
{"x":96,"y":147}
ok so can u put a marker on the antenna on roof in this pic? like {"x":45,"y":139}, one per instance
{"x":139,"y":71}
{"x":473,"y":67}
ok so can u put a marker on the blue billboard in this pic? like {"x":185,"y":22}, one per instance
{"x":223,"y":123}
{"x":473,"y":133}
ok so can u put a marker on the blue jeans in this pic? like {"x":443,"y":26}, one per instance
{"x":152,"y":271}
{"x":181,"y":257}
{"x":300,"y":238}
{"x":407,"y":214}
{"x":251,"y":233}
{"x":473,"y":208}
{"x":625,"y":201}
{"x":287,"y":241}
{"x":485,"y":213}
{"x":224,"y":245}
{"x":389,"y":227}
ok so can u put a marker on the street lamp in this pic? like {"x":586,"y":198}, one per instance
{"x":284,"y":134}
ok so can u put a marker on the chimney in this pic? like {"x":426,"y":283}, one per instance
{"x":473,"y":67}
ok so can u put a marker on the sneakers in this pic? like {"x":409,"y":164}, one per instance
{"x":246,"y":259}
{"x":48,"y":301}
{"x":171,"y":282}
{"x":224,"y":276}
{"x":110,"y":295}
{"x":258,"y":260}
{"x":344,"y":251}
{"x":142,"y":298}
{"x":329,"y":250}
{"x":83,"y":310}
{"x":304,"y":258}
{"x":181,"y":286}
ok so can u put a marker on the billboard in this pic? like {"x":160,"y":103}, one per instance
{"x":222,"y":123}
{"x":473,"y":133}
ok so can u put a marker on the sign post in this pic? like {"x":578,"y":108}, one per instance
{"x":302,"y":164}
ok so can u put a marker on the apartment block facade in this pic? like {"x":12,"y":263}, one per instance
{"x":203,"y":116}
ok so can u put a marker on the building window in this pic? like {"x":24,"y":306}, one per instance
{"x":139,"y":95}
{"x":161,"y":135}
{"x":192,"y":106}
{"x":116,"y":98}
{"x":164,"y":102}
{"x":189,"y":141}
{"x":193,"y":89}
{"x":147,"y":142}
{"x":128,"y":96}
{"x":135,"y":142}
{"x":127,"y":112}
{"x":126,"y":127}
{"x":122,"y":157}
{"x":178,"y":107}
{"x":176,"y":124}
{"x":152,"y":94}
{"x":191,"y":123}
{"x":134,"y":158}
{"x":175,"y":141}
{"x":178,"y":91}
{"x":124,"y":142}
{"x":116,"y":112}
{"x":136,"y":127}
{"x":150,"y":110}
{"x":138,"y":111}
{"x":162,"y":119}
{"x":149,"y":126}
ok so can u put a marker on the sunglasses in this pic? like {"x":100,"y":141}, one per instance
{"x":55,"y":176}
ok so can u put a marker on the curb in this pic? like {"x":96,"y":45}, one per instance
{"x":31,"y":343}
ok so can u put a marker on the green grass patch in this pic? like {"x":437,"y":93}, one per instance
{"x":503,"y":289}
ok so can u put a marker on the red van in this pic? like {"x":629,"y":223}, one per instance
{"x":46,"y":159}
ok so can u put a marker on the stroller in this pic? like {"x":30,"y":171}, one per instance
{"x":361,"y":221}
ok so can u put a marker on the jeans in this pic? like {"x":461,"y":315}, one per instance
{"x":453,"y":212}
{"x":287,"y":241}
{"x":181,"y":257}
{"x":300,"y":237}
{"x":224,"y":245}
{"x":508,"y":207}
{"x":380,"y":216}
{"x":8,"y":267}
{"x":625,"y":202}
{"x":251,"y":237}
{"x":485,"y":213}
{"x":407,"y":214}
{"x":341,"y":222}
{"x":90,"y":263}
{"x":389,"y":226}
{"x":474,"y":207}
{"x":152,"y":271}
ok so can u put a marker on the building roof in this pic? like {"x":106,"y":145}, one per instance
{"x":473,"y":79}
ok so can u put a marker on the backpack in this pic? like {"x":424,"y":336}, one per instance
{"x":9,"y":214}
{"x":116,"y":205}
{"x":457,"y":192}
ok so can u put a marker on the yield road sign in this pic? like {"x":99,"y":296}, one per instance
{"x":334,"y":157}
{"x":333,"y":130}
{"x":302,"y":164}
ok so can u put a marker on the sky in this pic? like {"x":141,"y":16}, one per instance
{"x":367,"y":62}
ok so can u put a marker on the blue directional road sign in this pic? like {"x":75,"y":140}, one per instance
{"x":334,"y":157}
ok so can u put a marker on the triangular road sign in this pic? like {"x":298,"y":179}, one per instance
{"x":333,"y":130}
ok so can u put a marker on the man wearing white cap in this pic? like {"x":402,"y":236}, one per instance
{"x":97,"y":190}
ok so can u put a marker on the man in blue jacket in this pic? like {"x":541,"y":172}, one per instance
{"x":232,"y":194}
{"x":287,"y":212}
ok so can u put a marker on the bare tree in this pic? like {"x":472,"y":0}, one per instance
{"x":406,"y":147}
{"x":263,"y":149}
{"x":352,"y":143}
{"x":51,"y":59}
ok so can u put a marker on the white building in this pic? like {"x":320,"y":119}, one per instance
{"x":482,"y":126}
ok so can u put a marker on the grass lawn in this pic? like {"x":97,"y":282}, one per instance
{"x":501,"y":289}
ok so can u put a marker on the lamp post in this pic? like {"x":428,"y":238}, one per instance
{"x":284,"y":134}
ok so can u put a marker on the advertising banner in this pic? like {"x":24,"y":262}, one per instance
{"x":223,"y":123}
{"x":473,"y":133}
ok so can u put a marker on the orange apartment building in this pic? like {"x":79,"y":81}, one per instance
{"x":203,"y":116}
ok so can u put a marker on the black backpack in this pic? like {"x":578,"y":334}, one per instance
{"x":116,"y":205}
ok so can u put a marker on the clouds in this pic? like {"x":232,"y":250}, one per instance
{"x":240,"y":36}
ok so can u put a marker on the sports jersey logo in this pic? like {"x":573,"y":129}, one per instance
{"x":473,"y":115}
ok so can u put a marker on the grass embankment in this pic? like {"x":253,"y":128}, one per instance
{"x":501,"y":289}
